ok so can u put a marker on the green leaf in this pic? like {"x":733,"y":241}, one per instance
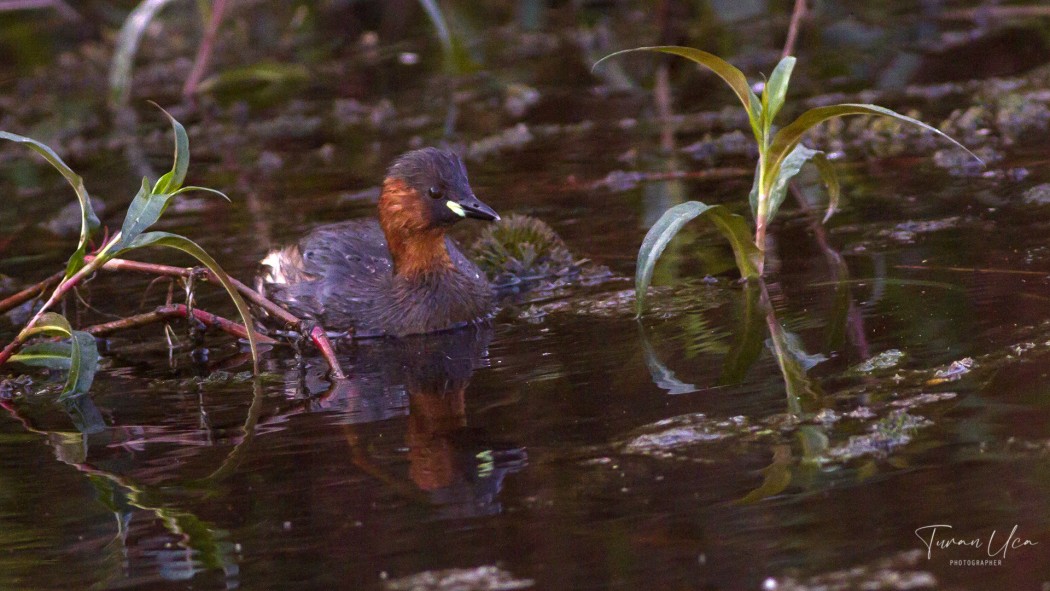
{"x":81,"y":359}
{"x":190,"y":247}
{"x":831,"y":183}
{"x":146,"y":208}
{"x":88,"y":220}
{"x":144,"y":211}
{"x":753,"y":196}
{"x":127,"y":46}
{"x":193,"y":188}
{"x":776,"y":89}
{"x":83,"y":365}
{"x":788,"y":137}
{"x":790,"y":167}
{"x":50,"y":323}
{"x":732,"y":226}
{"x":52,"y":355}
{"x":726,"y":71}
{"x":172,"y":180}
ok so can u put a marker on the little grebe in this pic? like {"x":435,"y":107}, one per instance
{"x":396,"y":276}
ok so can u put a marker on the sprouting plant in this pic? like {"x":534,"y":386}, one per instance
{"x":78,"y":353}
{"x":780,"y":156}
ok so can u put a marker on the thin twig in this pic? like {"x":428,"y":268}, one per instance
{"x":13,"y":301}
{"x":973,"y":270}
{"x":797,"y":14}
{"x":320,"y":339}
{"x":317,"y":335}
{"x":206,"y":48}
{"x":995,"y":12}
{"x":169,"y":271}
{"x":61,"y":7}
{"x":176,"y":311}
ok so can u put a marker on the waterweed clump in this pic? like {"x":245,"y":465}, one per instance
{"x":77,"y":351}
{"x":522,"y":246}
{"x":780,"y":157}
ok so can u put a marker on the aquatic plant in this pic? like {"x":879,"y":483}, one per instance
{"x":780,"y":157}
{"x":77,"y":353}
{"x":522,"y":246}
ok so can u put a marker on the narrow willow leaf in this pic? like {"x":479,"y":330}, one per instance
{"x":192,"y":188}
{"x":172,"y":180}
{"x":190,"y":247}
{"x":144,"y":211}
{"x":788,"y":137}
{"x":83,"y":365}
{"x":726,"y":71}
{"x":753,"y":196}
{"x":45,"y":354}
{"x":147,"y":208}
{"x":831,"y":183}
{"x":127,"y":46}
{"x":790,"y":167}
{"x":82,"y":357}
{"x":732,"y":226}
{"x":50,"y":323}
{"x":88,"y":220}
{"x":255,"y":76}
{"x":776,"y":89}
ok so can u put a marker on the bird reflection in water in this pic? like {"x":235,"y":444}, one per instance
{"x":453,"y":466}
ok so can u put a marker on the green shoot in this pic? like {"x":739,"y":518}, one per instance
{"x":79,"y":356}
{"x":780,"y":157}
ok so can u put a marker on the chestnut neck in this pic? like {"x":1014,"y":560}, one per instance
{"x":416,"y":246}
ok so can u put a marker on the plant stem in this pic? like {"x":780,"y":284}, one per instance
{"x":317,"y":335}
{"x":177,"y":311}
{"x":320,"y":339}
{"x":169,"y":271}
{"x":206,"y":48}
{"x":797,"y":14}
{"x":29,"y":293}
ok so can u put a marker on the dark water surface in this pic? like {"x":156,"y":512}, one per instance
{"x":557,"y":444}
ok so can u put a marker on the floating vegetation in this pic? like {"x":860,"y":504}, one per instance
{"x":482,"y":578}
{"x":888,"y":359}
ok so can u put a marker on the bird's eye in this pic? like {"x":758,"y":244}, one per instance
{"x":435,"y":193}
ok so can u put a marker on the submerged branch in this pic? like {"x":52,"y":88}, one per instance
{"x":15,"y":300}
{"x":177,"y":311}
{"x":316,"y":334}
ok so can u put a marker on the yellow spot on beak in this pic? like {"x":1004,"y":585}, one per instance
{"x":456,"y":208}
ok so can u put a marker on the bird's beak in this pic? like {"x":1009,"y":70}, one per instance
{"x":474,"y":208}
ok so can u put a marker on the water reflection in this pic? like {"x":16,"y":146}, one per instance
{"x":424,"y":378}
{"x":156,"y":474}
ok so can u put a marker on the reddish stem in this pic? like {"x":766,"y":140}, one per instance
{"x":206,"y":48}
{"x":177,"y":311}
{"x":317,"y":335}
{"x":29,"y":293}
{"x":797,"y":14}
{"x":169,"y":271}
{"x":320,"y":339}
